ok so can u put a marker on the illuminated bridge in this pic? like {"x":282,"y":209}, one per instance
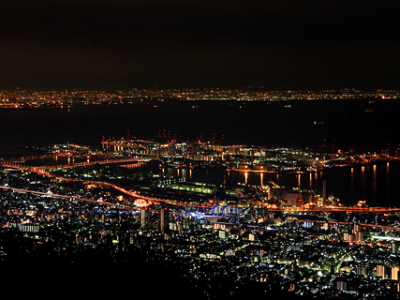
{"x":98,"y":162}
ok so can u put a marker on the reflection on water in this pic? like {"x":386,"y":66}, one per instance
{"x":316,"y":182}
{"x":374,"y":185}
{"x":387,"y":180}
{"x":348,"y":183}
{"x":363,"y":182}
{"x":299,"y":181}
{"x":352,"y":184}
{"x":132,"y":166}
{"x":184,"y":173}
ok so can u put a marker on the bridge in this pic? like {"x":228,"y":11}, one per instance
{"x":42,"y":171}
{"x":73,"y":165}
{"x":52,"y":155}
{"x":131,"y":193}
{"x":98,"y":162}
{"x":78,"y":146}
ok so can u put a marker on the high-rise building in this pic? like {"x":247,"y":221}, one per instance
{"x":293,"y":198}
{"x":349,"y":237}
{"x":326,"y":226}
{"x":164,"y":219}
{"x":341,"y":285}
{"x":380,"y":271}
{"x":143,"y":219}
{"x":171,"y":149}
{"x":361,"y":270}
{"x":394,"y":247}
{"x":394,"y":273}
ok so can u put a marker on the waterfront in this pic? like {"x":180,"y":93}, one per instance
{"x":377,"y":184}
{"x":346,"y":123}
{"x":168,"y":199}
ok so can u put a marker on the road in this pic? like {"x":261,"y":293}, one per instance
{"x":72,"y":198}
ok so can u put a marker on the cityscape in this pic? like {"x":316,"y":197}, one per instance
{"x":69,"y":204}
{"x":26,"y":99}
{"x":200,"y":149}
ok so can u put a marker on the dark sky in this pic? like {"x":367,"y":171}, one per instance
{"x":174,"y":43}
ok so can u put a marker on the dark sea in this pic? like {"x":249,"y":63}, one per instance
{"x":362,"y":125}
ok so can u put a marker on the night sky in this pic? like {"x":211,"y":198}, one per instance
{"x":181,"y":44}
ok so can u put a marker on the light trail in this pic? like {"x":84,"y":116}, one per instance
{"x":72,"y":198}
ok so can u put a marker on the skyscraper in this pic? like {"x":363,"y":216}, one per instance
{"x":143,"y":218}
{"x":164,"y":219}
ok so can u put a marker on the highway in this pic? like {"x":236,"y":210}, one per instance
{"x":43,"y":170}
{"x":40,"y":171}
{"x":72,"y":198}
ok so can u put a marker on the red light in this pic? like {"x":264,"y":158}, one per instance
{"x":350,"y":244}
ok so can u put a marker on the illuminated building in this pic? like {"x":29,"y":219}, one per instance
{"x":143,"y":219}
{"x":341,"y":285}
{"x":293,"y":199}
{"x":359,"y":236}
{"x":326,"y":226}
{"x":361,"y":270}
{"x":349,"y":237}
{"x":164,"y":219}
{"x":394,"y":273}
{"x":380,"y":271}
{"x":394,"y":247}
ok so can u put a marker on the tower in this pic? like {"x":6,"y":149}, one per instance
{"x":394,"y":247}
{"x":143,"y":218}
{"x":164,"y":219}
{"x":324,"y":193}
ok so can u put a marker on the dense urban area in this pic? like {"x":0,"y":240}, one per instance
{"x":70,"y":205}
{"x":21,"y":98}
